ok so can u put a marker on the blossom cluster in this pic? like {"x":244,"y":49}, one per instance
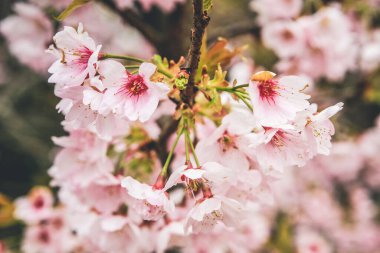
{"x":249,"y":167}
{"x":344,"y":193}
{"x":115,"y":192}
{"x":328,"y":43}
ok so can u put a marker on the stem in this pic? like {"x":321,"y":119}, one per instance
{"x":240,"y":86}
{"x":244,"y":101}
{"x":187,"y":147}
{"x":122,"y":57}
{"x":187,"y":135}
{"x":132,"y":66}
{"x":164,"y":72}
{"x":200,"y":22}
{"x":164,"y":170}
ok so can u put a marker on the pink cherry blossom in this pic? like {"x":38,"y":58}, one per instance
{"x":282,"y":147}
{"x":135,"y":96}
{"x":216,"y":176}
{"x":323,"y":128}
{"x":50,"y":235}
{"x":36,"y":206}
{"x":308,"y":241}
{"x":228,"y":143}
{"x":370,"y":52}
{"x":281,"y":9}
{"x":28,"y":33}
{"x":120,"y":37}
{"x":209,"y":212}
{"x":286,"y":38}
{"x":105,"y":195}
{"x":150,"y":203}
{"x":277,"y":101}
{"x":77,"y":56}
{"x":82,"y":161}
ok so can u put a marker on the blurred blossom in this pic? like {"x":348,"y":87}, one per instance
{"x":28,"y":33}
{"x":119,"y":37}
{"x":276,"y":9}
{"x":370,"y":51}
{"x":308,"y":241}
{"x":241,"y":71}
{"x":344,"y":169}
{"x":320,"y":45}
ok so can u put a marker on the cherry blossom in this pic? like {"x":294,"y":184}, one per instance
{"x":275,"y":101}
{"x":150,"y":203}
{"x":36,"y":206}
{"x":135,"y":96}
{"x":211,"y":211}
{"x":27,"y":33}
{"x":77,"y":56}
{"x":271,"y":9}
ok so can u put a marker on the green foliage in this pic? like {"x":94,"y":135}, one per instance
{"x":181,"y":82}
{"x":207,"y":4}
{"x":75,"y":4}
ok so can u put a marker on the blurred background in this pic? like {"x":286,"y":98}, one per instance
{"x":334,"y":44}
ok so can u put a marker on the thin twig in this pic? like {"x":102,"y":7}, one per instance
{"x":200,"y":22}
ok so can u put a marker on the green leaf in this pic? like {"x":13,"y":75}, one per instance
{"x":207,"y":4}
{"x":73,"y":6}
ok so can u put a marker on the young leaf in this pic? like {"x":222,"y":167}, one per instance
{"x":72,"y":6}
{"x":207,"y":4}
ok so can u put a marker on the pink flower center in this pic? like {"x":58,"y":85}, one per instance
{"x":226,"y":141}
{"x":268,"y":89}
{"x":287,"y":35}
{"x":314,"y":248}
{"x":44,"y":236}
{"x":134,"y":87}
{"x":84,"y":55}
{"x":38,"y":202}
{"x":279,"y":139}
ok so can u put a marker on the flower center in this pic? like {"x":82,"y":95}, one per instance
{"x":84,"y":55}
{"x":44,"y":236}
{"x":314,"y":248}
{"x":134,"y":87}
{"x":268,"y":89}
{"x":287,"y":35}
{"x":226,"y":141}
{"x":39,"y":202}
{"x":278,"y":140}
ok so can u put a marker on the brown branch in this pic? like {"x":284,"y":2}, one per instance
{"x":134,"y":20}
{"x":200,"y":22}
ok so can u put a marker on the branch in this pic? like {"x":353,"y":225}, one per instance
{"x":200,"y":22}
{"x":134,"y":20}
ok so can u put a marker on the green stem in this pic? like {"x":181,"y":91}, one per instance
{"x":240,"y":86}
{"x":241,"y":93}
{"x":245,"y":102}
{"x":132,"y":66}
{"x":164,"y":170}
{"x":164,"y":72}
{"x":122,"y":57}
{"x":187,"y":147}
{"x":187,"y":136}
